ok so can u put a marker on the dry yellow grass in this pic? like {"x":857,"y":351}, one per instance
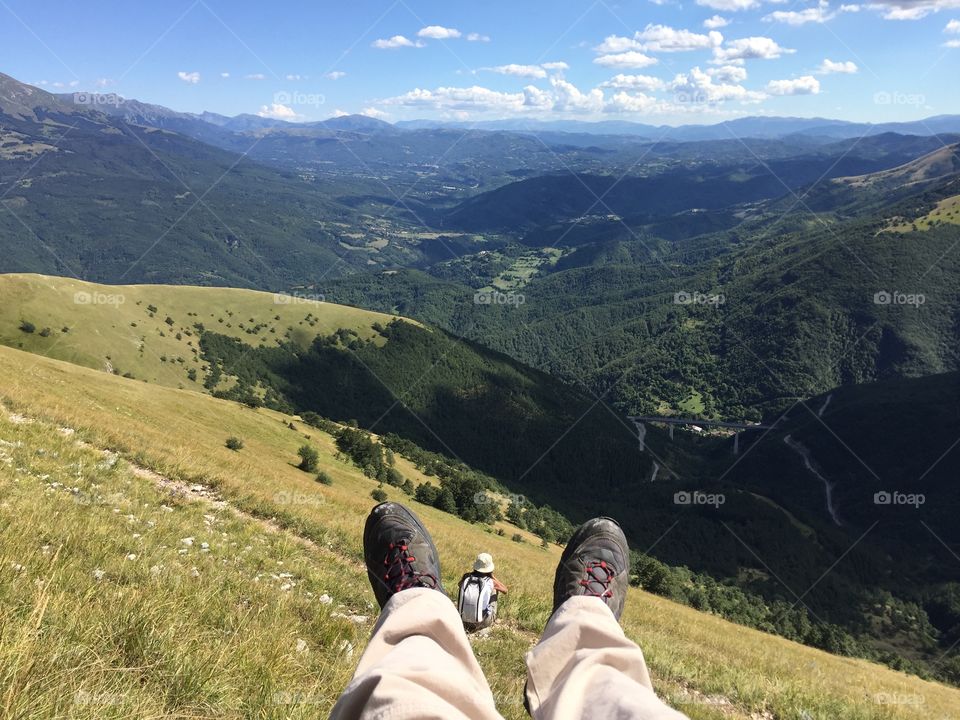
{"x":227,"y":645}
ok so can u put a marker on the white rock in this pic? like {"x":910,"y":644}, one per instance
{"x":132,"y":556}
{"x":302,"y":646}
{"x":188,"y":541}
{"x":325,"y":599}
{"x":98,"y":574}
{"x":194,"y":572}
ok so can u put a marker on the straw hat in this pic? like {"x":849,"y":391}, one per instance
{"x":484,"y":563}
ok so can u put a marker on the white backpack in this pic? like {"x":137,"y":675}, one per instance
{"x":476,"y":592}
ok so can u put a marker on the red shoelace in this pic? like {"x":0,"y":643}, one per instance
{"x":400,"y":573}
{"x":592,"y":577}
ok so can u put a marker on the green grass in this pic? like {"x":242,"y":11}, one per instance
{"x":110,"y":327}
{"x":947,"y":211}
{"x":219,"y":642}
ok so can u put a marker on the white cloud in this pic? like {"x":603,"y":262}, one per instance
{"x":730,"y":5}
{"x":828,"y":67}
{"x":952,"y":44}
{"x":477,"y":37}
{"x":806,"y":85}
{"x":698,"y":87}
{"x":438,"y":32}
{"x":662,"y":38}
{"x":224,"y":75}
{"x":189,"y":77}
{"x":278,"y":111}
{"x":397,"y":41}
{"x":715,"y":23}
{"x":911,"y":9}
{"x":527,"y":71}
{"x":625,"y":102}
{"x":255,"y":76}
{"x":470,"y":98}
{"x":335,"y":75}
{"x":534,"y":97}
{"x":294,"y":77}
{"x":751,"y":48}
{"x":953,"y":27}
{"x":567,"y":97}
{"x":103,"y":82}
{"x":372,"y":112}
{"x":728,"y":73}
{"x":554,"y":66}
{"x":821,"y":13}
{"x":616,"y":44}
{"x":646,"y":83}
{"x":631,"y":59}
{"x":817,"y":14}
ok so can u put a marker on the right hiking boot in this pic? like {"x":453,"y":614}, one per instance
{"x":595,"y":563}
{"x":399,"y":552}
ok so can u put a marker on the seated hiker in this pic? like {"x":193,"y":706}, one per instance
{"x":478,"y":593}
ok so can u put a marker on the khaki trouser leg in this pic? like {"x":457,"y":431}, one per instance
{"x":585,"y":667}
{"x":419,"y":664}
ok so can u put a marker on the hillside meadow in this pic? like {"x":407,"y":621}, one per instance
{"x":148,"y":571}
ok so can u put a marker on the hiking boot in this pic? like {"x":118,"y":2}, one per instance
{"x":595,"y":563}
{"x":399,"y":552}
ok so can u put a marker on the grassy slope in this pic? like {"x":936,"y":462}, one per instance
{"x":165,"y":643}
{"x":111,"y":330}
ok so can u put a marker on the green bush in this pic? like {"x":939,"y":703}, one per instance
{"x":517,"y":538}
{"x":234,"y":443}
{"x":27,"y":327}
{"x":379,"y":494}
{"x":309,"y":458}
{"x":324,"y":479}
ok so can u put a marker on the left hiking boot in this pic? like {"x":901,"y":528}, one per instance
{"x":399,"y":552}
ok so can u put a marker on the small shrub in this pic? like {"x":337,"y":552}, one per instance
{"x":28,"y":327}
{"x":501,"y":532}
{"x":379,"y":494}
{"x":234,"y":443}
{"x":45,"y":332}
{"x":324,"y":479}
{"x":517,"y":538}
{"x":309,"y":458}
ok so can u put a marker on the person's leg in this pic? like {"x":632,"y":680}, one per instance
{"x":584,"y":666}
{"x":419,"y":663}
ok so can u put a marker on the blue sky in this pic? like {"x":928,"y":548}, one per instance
{"x":655,"y":62}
